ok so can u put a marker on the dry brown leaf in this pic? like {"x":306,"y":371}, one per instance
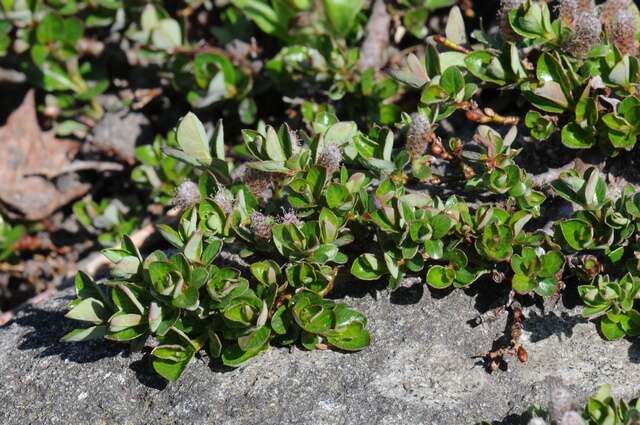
{"x":27,"y":155}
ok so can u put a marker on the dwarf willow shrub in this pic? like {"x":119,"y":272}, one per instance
{"x":303,"y":211}
{"x":300,"y":239}
{"x":74,"y":51}
{"x":578,"y":72}
{"x":600,"y":409}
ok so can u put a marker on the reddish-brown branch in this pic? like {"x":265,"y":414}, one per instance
{"x":450,"y":44}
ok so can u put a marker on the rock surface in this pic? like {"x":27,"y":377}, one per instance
{"x":418,"y":370}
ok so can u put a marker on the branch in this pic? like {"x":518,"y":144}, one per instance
{"x":99,"y":166}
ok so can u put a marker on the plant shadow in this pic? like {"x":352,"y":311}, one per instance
{"x":406,"y":295}
{"x":543,"y":326}
{"x":46,"y":327}
{"x":513,"y":419}
{"x":634,"y":351}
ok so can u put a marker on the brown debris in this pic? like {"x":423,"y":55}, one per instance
{"x":497,"y":358}
{"x":27,"y":155}
{"x":374,"y":52}
{"x":117,"y":134}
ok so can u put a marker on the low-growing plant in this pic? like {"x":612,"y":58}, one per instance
{"x":294,"y":213}
{"x":9,"y":235}
{"x":110,"y":219}
{"x":270,"y":227}
{"x":564,"y":409}
{"x":578,"y":72}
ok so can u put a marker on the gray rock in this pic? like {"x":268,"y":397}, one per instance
{"x":418,"y":370}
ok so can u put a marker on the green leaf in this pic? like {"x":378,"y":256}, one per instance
{"x":121,"y":321}
{"x":368,"y":267}
{"x":86,"y":334}
{"x":89,"y":310}
{"x":167,"y":35}
{"x":86,"y":287}
{"x":485,"y":66}
{"x":342,"y":13}
{"x":340,"y":133}
{"x":50,"y":29}
{"x":455,"y":29}
{"x":576,"y":137}
{"x":170,"y":361}
{"x":611,"y":330}
{"x":577,"y":233}
{"x":193,"y":140}
{"x":234,"y":356}
{"x":255,"y":340}
{"x":440,"y":277}
{"x":496,"y":242}
{"x":452,"y":81}
{"x":522,"y":284}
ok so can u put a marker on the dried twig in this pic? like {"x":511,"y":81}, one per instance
{"x":496,"y":359}
{"x":98,"y":166}
{"x":12,"y":76}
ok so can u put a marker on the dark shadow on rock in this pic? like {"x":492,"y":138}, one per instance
{"x":216,"y":366}
{"x":348,"y":286}
{"x":634,"y":351}
{"x":146,"y":375}
{"x":544,"y":326}
{"x":438,"y":294}
{"x":47,"y":329}
{"x":44,"y":339}
{"x":406,"y":295}
{"x":570,"y":296}
{"x":514,"y":419}
{"x":489,"y":295}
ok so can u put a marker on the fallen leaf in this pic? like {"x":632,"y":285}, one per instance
{"x":27,"y":156}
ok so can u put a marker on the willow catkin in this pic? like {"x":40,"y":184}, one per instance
{"x":418,"y":135}
{"x":585,"y":34}
{"x":259,"y":183}
{"x":611,"y":9}
{"x":374,"y":52}
{"x":187,"y":195}
{"x":224,"y":201}
{"x":570,"y":10}
{"x":260,"y":225}
{"x":622,"y":33}
{"x":561,"y":401}
{"x":330,"y":158}
{"x":571,"y":418}
{"x":290,"y":217}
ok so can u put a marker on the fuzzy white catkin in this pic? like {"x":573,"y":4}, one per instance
{"x":290,"y":217}
{"x":622,"y":32}
{"x":187,"y":195}
{"x":571,"y":418}
{"x":612,"y":8}
{"x":418,"y":135}
{"x":259,"y":183}
{"x":586,"y":34}
{"x":260,"y":225}
{"x":537,"y":421}
{"x":224,"y":201}
{"x":330,"y":158}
